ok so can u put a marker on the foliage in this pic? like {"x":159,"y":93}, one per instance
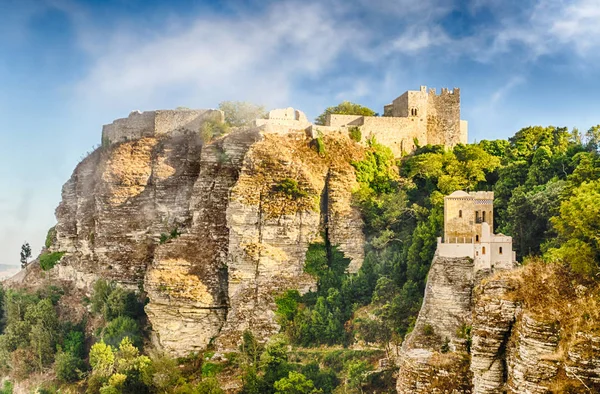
{"x":68,"y":367}
{"x":344,"y":108}
{"x":295,"y":383}
{"x":319,"y":146}
{"x":25,"y":254}
{"x":50,"y":237}
{"x":7,"y":387}
{"x":49,"y":260}
{"x":212,"y":129}
{"x":290,"y":188}
{"x":355,"y":133}
{"x":241,"y":113}
{"x":120,"y":328}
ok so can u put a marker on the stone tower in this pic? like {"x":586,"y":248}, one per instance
{"x":440,"y":114}
{"x":468,"y":231}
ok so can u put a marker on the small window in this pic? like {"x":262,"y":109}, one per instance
{"x":483,"y":216}
{"x":477,"y":238}
{"x":460,"y":213}
{"x":500,"y":250}
{"x":483,"y":250}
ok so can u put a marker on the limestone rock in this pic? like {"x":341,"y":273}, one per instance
{"x":203,"y":227}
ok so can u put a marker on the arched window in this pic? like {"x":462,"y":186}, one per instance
{"x":500,"y":250}
{"x":460,"y":213}
{"x":477,"y":238}
{"x":477,"y":220}
{"x":483,"y":250}
{"x":483,"y":216}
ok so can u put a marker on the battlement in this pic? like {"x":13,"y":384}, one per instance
{"x":160,"y":122}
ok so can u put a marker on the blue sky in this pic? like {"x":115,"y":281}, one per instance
{"x":67,"y":67}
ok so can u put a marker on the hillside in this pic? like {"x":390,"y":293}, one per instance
{"x":254,"y":258}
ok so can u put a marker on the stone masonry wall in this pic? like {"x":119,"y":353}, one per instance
{"x":161,"y":122}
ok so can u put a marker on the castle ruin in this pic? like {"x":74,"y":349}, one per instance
{"x":418,"y":117}
{"x":468,"y":226}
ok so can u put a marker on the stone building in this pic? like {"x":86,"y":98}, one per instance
{"x":416,"y":117}
{"x":420,"y":116}
{"x":468,"y":231}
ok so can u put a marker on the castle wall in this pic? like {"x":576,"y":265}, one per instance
{"x":161,"y":122}
{"x":335,"y":120}
{"x":136,"y":126}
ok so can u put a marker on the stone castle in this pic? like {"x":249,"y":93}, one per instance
{"x":468,"y":226}
{"x":416,"y":117}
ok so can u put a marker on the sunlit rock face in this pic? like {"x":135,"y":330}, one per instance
{"x":530,"y":330}
{"x":203,"y":228}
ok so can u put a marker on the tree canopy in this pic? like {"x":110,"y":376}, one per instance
{"x":345,"y":108}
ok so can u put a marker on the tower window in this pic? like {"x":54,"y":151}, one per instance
{"x":460,"y":213}
{"x":477,"y":238}
{"x":500,"y":250}
{"x":483,"y":216}
{"x":483,"y":250}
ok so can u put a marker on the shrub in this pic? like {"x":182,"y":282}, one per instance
{"x":50,"y":237}
{"x":319,"y":146}
{"x":208,"y":386}
{"x":163,"y":238}
{"x":74,"y":343}
{"x":68,"y":367}
{"x":101,"y":291}
{"x":118,"y":329}
{"x":49,"y":260}
{"x":290,"y":188}
{"x":355,"y":133}
{"x":428,"y":330}
{"x":121,"y":302}
{"x":212,"y":129}
{"x":7,"y":388}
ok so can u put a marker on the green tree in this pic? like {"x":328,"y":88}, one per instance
{"x":357,"y":373}
{"x":578,"y":228}
{"x":25,"y":254}
{"x":68,"y":367}
{"x":120,"y":328}
{"x":295,"y":383}
{"x":344,"y":108}
{"x":241,"y":113}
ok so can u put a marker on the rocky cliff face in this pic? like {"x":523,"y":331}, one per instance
{"x":206,"y":229}
{"x":531,"y":330}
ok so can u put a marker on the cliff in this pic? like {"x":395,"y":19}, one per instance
{"x":207,"y":230}
{"x":530,"y":330}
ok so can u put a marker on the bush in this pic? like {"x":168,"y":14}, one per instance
{"x":68,"y":367}
{"x":319,"y":146}
{"x":212,"y":129}
{"x":49,"y":260}
{"x":118,"y":329}
{"x":355,"y":133}
{"x":74,"y":343}
{"x":121,"y":302}
{"x":208,"y":386}
{"x":7,"y":388}
{"x":290,"y":188}
{"x":428,"y":330}
{"x":50,"y":237}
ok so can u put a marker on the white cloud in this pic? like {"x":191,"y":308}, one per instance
{"x":257,"y":58}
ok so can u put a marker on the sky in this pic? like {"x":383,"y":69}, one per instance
{"x":67,"y":67}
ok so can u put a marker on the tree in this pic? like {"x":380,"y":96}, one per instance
{"x":295,"y":383}
{"x":25,"y":254}
{"x":345,"y":108}
{"x":357,"y":372}
{"x":68,"y":367}
{"x":120,"y":328}
{"x":241,"y":113}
